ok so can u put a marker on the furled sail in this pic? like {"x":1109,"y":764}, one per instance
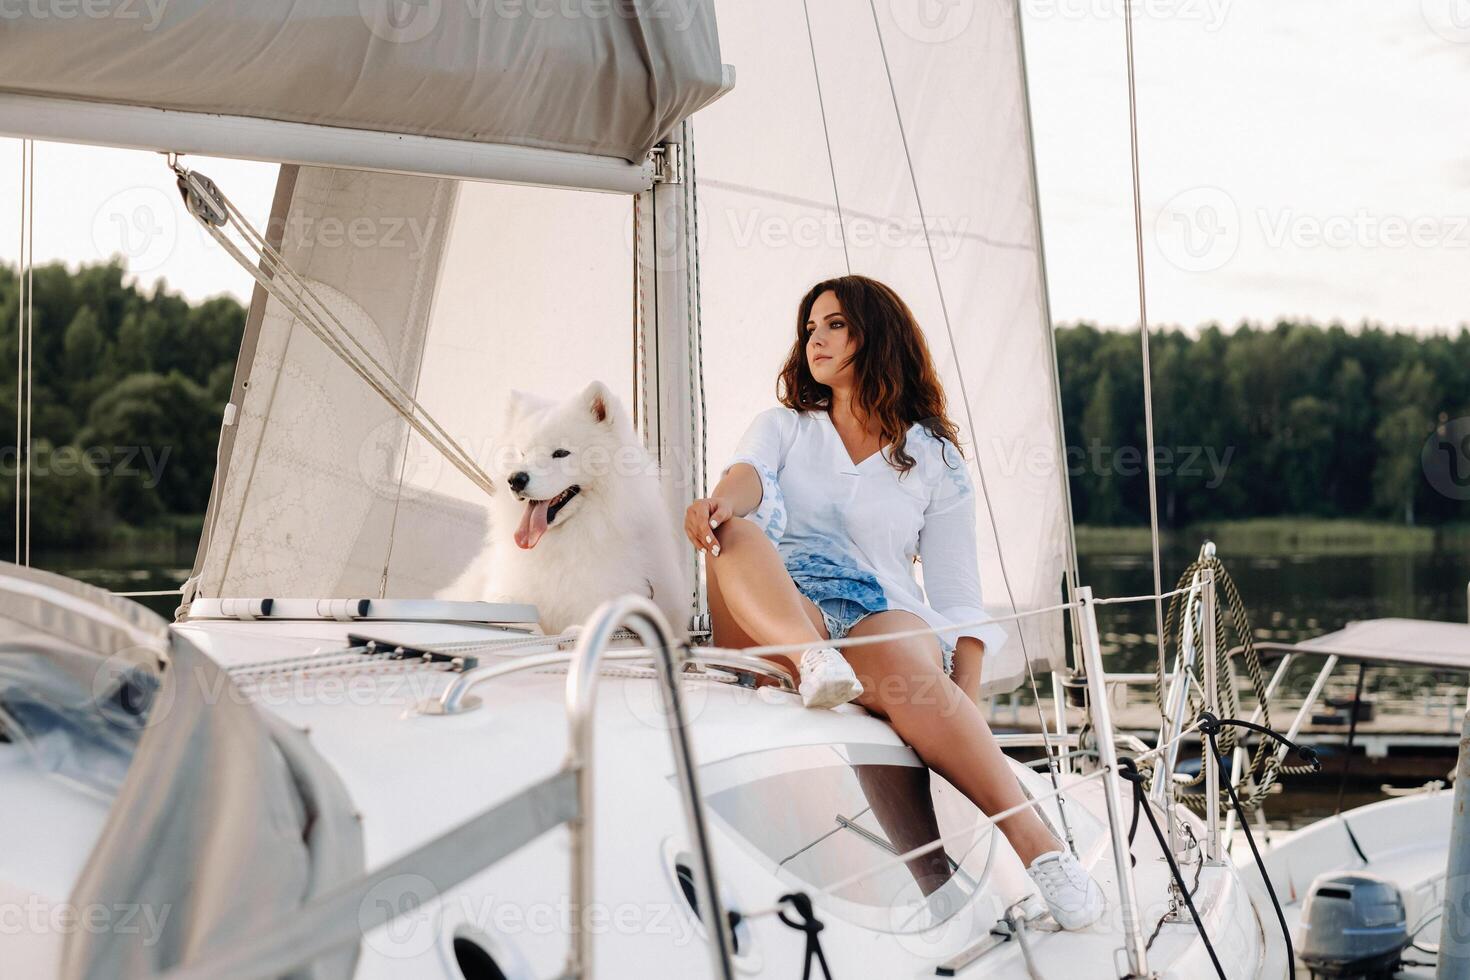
{"x":871,"y":138}
{"x":236,"y":77}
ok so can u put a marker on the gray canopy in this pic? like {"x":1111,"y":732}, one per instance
{"x":603,"y":77}
{"x":221,"y":816}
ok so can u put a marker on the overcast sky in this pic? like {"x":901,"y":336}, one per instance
{"x":1306,"y":158}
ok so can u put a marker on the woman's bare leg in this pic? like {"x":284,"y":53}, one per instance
{"x":904,"y":681}
{"x":752,"y":600}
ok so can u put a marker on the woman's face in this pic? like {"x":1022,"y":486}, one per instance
{"x":829,"y":343}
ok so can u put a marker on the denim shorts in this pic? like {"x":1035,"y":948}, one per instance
{"x":842,"y":614}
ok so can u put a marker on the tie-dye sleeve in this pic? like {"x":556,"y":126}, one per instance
{"x":764,"y":447}
{"x":949,"y":559}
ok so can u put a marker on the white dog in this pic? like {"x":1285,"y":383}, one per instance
{"x":578,"y":516}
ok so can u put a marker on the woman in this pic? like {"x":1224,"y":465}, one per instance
{"x":812,"y":533}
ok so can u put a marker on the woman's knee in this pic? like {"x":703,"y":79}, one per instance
{"x":738,"y":530}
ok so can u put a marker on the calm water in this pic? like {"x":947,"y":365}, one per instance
{"x":1287,"y":598}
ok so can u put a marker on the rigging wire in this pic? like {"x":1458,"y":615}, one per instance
{"x":215,"y":211}
{"x":25,"y":318}
{"x":30,"y":325}
{"x":20,"y":351}
{"x":1052,"y":767}
{"x":1148,"y":388}
{"x":826,"y":136}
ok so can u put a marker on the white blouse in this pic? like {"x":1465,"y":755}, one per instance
{"x":823,"y":512}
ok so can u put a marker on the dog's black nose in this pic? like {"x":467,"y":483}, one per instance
{"x":519,"y":480}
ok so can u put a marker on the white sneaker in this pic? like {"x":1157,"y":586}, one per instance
{"x":1074,"y":898}
{"x":827,"y":679}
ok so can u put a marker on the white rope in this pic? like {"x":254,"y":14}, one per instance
{"x":1148,"y":387}
{"x":30,"y":327}
{"x":20,"y":351}
{"x":25,"y":327}
{"x":1142,"y":598}
{"x":274,"y":275}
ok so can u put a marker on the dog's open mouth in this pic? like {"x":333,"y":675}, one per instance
{"x":539,"y":515}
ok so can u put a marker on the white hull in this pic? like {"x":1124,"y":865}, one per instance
{"x":413,"y":776}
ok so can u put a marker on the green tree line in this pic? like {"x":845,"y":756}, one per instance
{"x":1294,"y":419}
{"x":127,"y":389}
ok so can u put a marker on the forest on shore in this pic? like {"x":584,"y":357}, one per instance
{"x":1288,"y":419}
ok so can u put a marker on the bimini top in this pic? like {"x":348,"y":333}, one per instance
{"x":609,"y":79}
{"x":1420,"y":642}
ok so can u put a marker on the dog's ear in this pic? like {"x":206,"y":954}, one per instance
{"x":600,"y":403}
{"x":515,"y":403}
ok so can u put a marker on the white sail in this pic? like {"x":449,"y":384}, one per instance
{"x":529,"y":288}
{"x":464,"y":289}
{"x":773,"y":162}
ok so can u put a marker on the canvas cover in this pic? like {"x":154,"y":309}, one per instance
{"x":606,"y":78}
{"x":223,"y":817}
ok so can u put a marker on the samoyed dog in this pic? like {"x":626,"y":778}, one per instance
{"x":578,"y":516}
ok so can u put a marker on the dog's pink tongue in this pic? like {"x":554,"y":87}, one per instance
{"x":533,"y":524}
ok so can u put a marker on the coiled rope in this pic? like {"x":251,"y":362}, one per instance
{"x":1266,"y":765}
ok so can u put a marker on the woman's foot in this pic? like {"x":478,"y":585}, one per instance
{"x":1074,"y":898}
{"x":827,"y":679}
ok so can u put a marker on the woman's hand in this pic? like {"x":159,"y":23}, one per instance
{"x":701,"y":519}
{"x":969,"y":656}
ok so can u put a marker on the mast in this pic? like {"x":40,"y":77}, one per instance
{"x":671,"y":374}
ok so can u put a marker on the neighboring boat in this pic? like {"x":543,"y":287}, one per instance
{"x":1403,"y":841}
{"x":387,"y":778}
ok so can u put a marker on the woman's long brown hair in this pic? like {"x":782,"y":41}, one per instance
{"x":895,"y":384}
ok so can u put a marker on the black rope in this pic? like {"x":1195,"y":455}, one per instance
{"x":1128,"y":769}
{"x":1210,"y":726}
{"x":1347,"y":754}
{"x":801,"y":903}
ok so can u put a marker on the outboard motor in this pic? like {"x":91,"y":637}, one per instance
{"x":1353,"y":927}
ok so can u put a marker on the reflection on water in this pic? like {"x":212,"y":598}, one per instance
{"x":1294,"y":597}
{"x":1287,"y":598}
